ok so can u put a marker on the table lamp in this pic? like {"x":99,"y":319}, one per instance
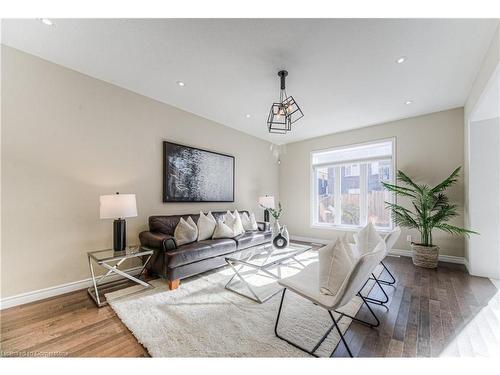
{"x":266,"y":202}
{"x":118,"y":206}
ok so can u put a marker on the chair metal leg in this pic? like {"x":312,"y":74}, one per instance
{"x":375,"y":300}
{"x":340,"y":334}
{"x":371,"y":325}
{"x":323,"y":338}
{"x":284,"y":339}
{"x":390,"y":274}
{"x":385,"y":282}
{"x":371,"y":311}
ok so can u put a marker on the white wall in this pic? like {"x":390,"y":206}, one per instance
{"x":428,"y":148}
{"x":484,"y":197}
{"x":68,"y":138}
{"x":474,"y":105}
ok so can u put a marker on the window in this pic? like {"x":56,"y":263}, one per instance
{"x":347,"y":189}
{"x":352,"y":170}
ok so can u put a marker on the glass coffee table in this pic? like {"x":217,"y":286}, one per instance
{"x":111,"y":260}
{"x":263,"y":265}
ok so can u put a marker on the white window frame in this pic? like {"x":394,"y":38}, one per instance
{"x":358,"y":169}
{"x":363,"y":214}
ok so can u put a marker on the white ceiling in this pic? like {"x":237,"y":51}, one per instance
{"x":342,"y":72}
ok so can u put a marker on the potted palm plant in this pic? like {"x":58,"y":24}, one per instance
{"x":431,"y":210}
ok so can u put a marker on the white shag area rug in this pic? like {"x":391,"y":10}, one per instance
{"x":203,"y":319}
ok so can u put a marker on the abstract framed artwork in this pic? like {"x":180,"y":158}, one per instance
{"x":194,"y":175}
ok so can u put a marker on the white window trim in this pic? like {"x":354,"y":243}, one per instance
{"x":363,"y":186}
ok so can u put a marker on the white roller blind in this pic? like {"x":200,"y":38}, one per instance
{"x":343,"y":155}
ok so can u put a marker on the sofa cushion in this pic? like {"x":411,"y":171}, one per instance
{"x":223,"y":230}
{"x":185,"y":232}
{"x":166,"y":223}
{"x":252,"y":238}
{"x":248,"y":221}
{"x":206,"y":226}
{"x":233,"y":220}
{"x":201,"y":250}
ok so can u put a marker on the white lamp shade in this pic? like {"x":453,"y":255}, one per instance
{"x":117,"y":206}
{"x":267,"y":201}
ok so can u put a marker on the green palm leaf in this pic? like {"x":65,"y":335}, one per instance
{"x":455,"y":230}
{"x":452,"y":178}
{"x":432,"y":208}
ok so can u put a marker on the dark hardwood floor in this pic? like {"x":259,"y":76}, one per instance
{"x":428,"y":312}
{"x":428,"y":315}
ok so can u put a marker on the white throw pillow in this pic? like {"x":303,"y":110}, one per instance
{"x":366,"y":239}
{"x":336,"y":262}
{"x":206,"y":226}
{"x":249,"y":222}
{"x":185,"y":232}
{"x":233,"y":220}
{"x":245,"y":220}
{"x":238,"y":224}
{"x":253,"y":221}
{"x":223,"y":230}
{"x":228,"y":216}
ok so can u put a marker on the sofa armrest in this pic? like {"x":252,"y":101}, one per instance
{"x":264,"y":226}
{"x":157,"y":240}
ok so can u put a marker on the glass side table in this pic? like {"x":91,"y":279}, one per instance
{"x":111,"y":261}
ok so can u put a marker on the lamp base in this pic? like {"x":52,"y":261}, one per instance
{"x":119,"y":235}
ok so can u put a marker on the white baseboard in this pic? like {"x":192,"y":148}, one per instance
{"x":309,"y":239}
{"x":399,"y":252}
{"x":466,"y":264}
{"x":442,"y":258}
{"x":36,"y":295}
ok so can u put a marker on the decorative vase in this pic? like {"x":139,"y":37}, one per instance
{"x":275,"y":228}
{"x":281,"y":239}
{"x":284,"y":232}
{"x":425,"y":256}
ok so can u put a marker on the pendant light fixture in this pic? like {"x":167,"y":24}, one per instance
{"x":284,"y":113}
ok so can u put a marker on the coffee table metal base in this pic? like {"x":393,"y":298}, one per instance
{"x":237,"y":265}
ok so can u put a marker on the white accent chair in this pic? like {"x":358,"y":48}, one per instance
{"x":390,"y":239}
{"x":306,"y":284}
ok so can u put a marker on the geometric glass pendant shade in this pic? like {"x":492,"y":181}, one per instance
{"x":284,"y":113}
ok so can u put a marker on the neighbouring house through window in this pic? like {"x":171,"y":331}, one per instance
{"x":347,"y":189}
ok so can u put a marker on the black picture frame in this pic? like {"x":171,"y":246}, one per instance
{"x":167,"y":174}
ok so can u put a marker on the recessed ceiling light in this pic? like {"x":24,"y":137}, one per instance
{"x":401,"y":60}
{"x":181,"y":84}
{"x":46,"y":21}
{"x":408,"y":102}
{"x":248,"y":115}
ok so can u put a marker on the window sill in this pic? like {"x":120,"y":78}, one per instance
{"x":345,"y":228}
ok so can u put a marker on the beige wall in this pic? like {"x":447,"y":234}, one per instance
{"x":428,"y":148}
{"x":68,"y":138}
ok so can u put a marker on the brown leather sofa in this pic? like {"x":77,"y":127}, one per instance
{"x":173,"y":262}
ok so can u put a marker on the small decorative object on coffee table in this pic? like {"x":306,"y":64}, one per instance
{"x":281,"y":240}
{"x":111,"y":260}
{"x":280,"y":236}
